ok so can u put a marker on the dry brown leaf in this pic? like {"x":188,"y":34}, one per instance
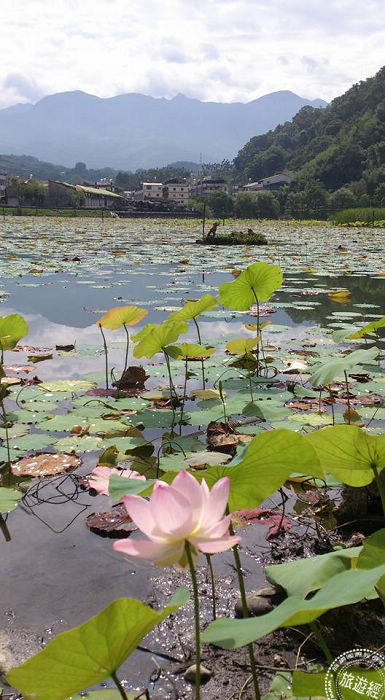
{"x":45,"y":464}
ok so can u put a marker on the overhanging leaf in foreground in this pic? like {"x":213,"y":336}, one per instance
{"x":270,"y":458}
{"x":344,"y":588}
{"x":88,"y":654}
{"x":349,"y":453}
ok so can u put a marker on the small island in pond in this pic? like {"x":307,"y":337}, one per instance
{"x":248,"y":237}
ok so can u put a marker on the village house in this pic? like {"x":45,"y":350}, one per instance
{"x":3,"y":185}
{"x":207,"y":185}
{"x":176,"y":190}
{"x":64,"y":194}
{"x":151,"y":190}
{"x":273,"y":183}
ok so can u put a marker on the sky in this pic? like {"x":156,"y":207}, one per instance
{"x":217,"y":50}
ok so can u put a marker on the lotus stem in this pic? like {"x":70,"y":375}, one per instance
{"x":245,"y":613}
{"x":105,"y":353}
{"x":332,"y":404}
{"x":196,"y":620}
{"x":202,"y":361}
{"x":4,"y":417}
{"x":127,"y":347}
{"x":315,"y":628}
{"x":347,"y":394}
{"x":380,"y":486}
{"x":118,"y":685}
{"x":210,"y":565}
{"x":223,"y":401}
{"x":4,"y":529}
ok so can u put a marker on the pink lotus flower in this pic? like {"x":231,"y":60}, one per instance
{"x":99,"y":478}
{"x":176,"y":513}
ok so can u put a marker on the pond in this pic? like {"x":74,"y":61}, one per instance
{"x":62,"y":276}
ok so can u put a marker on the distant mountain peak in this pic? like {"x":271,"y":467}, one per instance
{"x":133,"y":131}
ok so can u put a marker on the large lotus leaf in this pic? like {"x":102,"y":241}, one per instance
{"x":118,"y":486}
{"x":120,"y":316}
{"x":346,"y":588}
{"x":12,"y":329}
{"x":9,"y":499}
{"x":87,"y":443}
{"x":349,"y":453}
{"x":257,"y":282}
{"x":336,"y":368}
{"x":373,"y":551}
{"x":193,"y":351}
{"x":33,"y":441}
{"x":158,"y":337}
{"x":369,"y":328}
{"x":72,"y":385}
{"x":88,"y":654}
{"x":270,"y":458}
{"x":14,"y":431}
{"x":240,"y":346}
{"x":302,"y":576}
{"x":192,"y":309}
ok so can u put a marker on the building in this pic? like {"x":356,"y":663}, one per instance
{"x":176,"y":190}
{"x":151,"y":190}
{"x":64,"y":194}
{"x":273,"y":183}
{"x":3,"y":185}
{"x":207,"y":185}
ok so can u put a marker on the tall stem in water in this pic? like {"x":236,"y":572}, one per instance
{"x":118,"y":685}
{"x":127,"y":347}
{"x":105,"y":353}
{"x":196,"y":620}
{"x":245,"y":613}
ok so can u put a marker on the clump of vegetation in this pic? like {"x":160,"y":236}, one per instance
{"x":249,"y":237}
{"x":363,"y":216}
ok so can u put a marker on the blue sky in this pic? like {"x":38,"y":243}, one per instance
{"x":222,"y":50}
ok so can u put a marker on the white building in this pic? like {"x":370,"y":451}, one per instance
{"x":3,"y":185}
{"x":176,"y":190}
{"x":152,"y":190}
{"x":273,"y":182}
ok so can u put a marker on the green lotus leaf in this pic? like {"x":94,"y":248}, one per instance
{"x":257,"y":282}
{"x":121,"y":316}
{"x":269,"y":459}
{"x":345,"y":588}
{"x":369,"y":328}
{"x":189,"y":351}
{"x":72,"y":385}
{"x":9,"y":499}
{"x":331,"y":369}
{"x":192,"y":309}
{"x":12,"y":329}
{"x":88,"y":654}
{"x":158,"y":337}
{"x":349,"y":453}
{"x":241,"y":346}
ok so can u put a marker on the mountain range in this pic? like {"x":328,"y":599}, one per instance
{"x":137,"y":131}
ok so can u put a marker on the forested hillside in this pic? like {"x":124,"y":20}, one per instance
{"x":340,"y":145}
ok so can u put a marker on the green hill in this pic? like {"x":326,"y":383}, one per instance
{"x":342,"y":145}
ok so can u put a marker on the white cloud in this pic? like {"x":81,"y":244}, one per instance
{"x":222,"y":50}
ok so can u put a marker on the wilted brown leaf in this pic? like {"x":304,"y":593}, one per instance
{"x":45,"y":464}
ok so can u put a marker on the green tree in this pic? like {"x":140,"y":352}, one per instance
{"x":342,"y":199}
{"x":267,"y":205}
{"x":246,"y":206}
{"x":221,"y":204}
